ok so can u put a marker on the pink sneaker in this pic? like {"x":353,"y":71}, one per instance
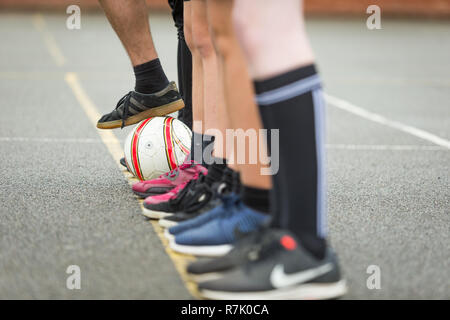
{"x":163,"y":198}
{"x":167,"y":182}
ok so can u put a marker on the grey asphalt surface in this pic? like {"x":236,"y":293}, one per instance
{"x":64,"y":201}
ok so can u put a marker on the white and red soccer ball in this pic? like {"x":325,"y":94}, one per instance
{"x":156,"y":146}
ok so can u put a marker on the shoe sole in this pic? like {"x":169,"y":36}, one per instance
{"x":201,"y":251}
{"x":167,"y":223}
{"x":210,"y":276}
{"x":168,"y":235}
{"x":153,"y":112}
{"x":143,"y":195}
{"x":155,"y":214}
{"x":309,"y":291}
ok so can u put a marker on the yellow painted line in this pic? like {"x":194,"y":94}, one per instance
{"x":50,"y":42}
{"x":115,"y":149}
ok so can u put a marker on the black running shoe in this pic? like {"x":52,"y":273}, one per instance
{"x":190,"y":212}
{"x":135,"y":106}
{"x":279,"y":269}
{"x":194,"y":196}
{"x":170,"y":221}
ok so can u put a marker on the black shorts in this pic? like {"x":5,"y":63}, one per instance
{"x":177,"y":15}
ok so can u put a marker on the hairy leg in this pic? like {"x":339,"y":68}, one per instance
{"x":129,"y":19}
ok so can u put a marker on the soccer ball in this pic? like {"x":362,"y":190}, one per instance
{"x":156,"y":146}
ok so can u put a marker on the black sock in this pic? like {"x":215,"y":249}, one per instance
{"x":150,"y":77}
{"x":236,"y":185}
{"x":256,"y":198}
{"x":216,"y":171}
{"x":292,"y":102}
{"x":228,"y":178}
{"x":201,"y":148}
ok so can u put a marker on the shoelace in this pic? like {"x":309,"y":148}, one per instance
{"x":126,"y":103}
{"x":233,"y":206}
{"x":180,"y":195}
{"x":264,"y":242}
{"x":190,"y":200}
{"x":181,"y":167}
{"x":184,"y":186}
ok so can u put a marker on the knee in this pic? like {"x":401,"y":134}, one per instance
{"x":202,"y":43}
{"x":222,"y":37}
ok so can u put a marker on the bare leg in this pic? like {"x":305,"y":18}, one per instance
{"x":272,"y":48}
{"x":212,"y":96}
{"x":239,"y":95}
{"x":129,"y":18}
{"x":197,"y":70}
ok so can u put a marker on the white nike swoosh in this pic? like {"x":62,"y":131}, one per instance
{"x":279,"y":279}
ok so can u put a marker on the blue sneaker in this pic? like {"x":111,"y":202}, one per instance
{"x":216,"y":237}
{"x":228,"y":202}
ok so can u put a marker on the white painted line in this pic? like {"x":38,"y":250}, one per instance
{"x":50,"y":42}
{"x":399,"y":81}
{"x":375,"y":147}
{"x":419,"y":133}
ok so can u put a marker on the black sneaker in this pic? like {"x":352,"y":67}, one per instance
{"x":279,"y":269}
{"x":135,"y":106}
{"x":190,"y":212}
{"x":176,"y":218}
{"x":194,"y":196}
{"x":123,"y":162}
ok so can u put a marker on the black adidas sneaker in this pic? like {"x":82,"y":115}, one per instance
{"x":279,"y":269}
{"x":135,"y":106}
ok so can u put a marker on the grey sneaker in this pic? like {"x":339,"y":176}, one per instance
{"x":205,"y":269}
{"x":279,"y":269}
{"x":135,"y":107}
